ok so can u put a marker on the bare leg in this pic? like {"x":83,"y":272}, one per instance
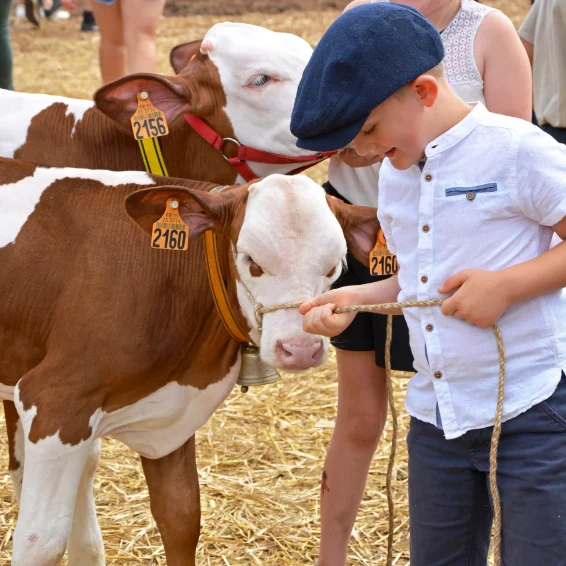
{"x":140,"y":21}
{"x":175,"y":503}
{"x":112,"y":50}
{"x":362,"y":412}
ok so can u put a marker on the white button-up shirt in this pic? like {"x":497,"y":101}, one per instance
{"x":488,"y":194}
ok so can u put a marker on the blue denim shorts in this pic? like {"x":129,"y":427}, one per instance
{"x":449,"y":500}
{"x":106,"y":2}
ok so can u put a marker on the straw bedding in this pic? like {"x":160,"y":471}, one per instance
{"x":260,"y":455}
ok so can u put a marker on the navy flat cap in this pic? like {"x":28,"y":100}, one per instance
{"x":365,"y":56}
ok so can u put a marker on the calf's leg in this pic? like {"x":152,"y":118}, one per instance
{"x":52,"y":475}
{"x":85,"y":546}
{"x":175,"y":502}
{"x":15,"y":447}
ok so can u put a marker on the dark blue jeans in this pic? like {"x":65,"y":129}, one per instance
{"x":450,"y":509}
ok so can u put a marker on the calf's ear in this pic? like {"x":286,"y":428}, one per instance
{"x":200,"y":210}
{"x":360,"y":226}
{"x":181,"y":55}
{"x":119,"y":101}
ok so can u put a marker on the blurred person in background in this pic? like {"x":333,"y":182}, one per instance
{"x":543,"y":34}
{"x":128,"y":31}
{"x":5,"y":45}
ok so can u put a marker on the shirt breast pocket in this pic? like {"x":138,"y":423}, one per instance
{"x":472,"y":192}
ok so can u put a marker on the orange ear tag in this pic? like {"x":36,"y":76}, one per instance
{"x":170,"y":232}
{"x":148,"y":121}
{"x":381,"y":260}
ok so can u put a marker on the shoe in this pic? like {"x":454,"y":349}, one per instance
{"x":89,"y":26}
{"x":32,"y":11}
{"x":54,"y":7}
{"x":89,"y":23}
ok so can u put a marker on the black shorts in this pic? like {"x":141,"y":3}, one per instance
{"x":367,"y":331}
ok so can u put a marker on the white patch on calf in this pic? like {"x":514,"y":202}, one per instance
{"x":163,"y":421}
{"x":6,"y":392}
{"x":260,"y":116}
{"x":21,"y":107}
{"x":18,"y":200}
{"x":292,"y":234}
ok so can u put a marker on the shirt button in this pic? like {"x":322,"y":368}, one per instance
{"x":438,"y":374}
{"x":426,"y":228}
{"x":428,"y":177}
{"x":424,"y":279}
{"x":429,"y":327}
{"x":471,"y":195}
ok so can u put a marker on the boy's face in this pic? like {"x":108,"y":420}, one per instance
{"x":397,"y":127}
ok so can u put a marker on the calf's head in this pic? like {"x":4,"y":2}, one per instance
{"x":287,"y":244}
{"x":241,"y":79}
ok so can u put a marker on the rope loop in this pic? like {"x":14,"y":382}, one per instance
{"x":260,"y":310}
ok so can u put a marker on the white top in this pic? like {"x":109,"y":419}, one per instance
{"x":490,"y":190}
{"x":545,"y":28}
{"x":359,"y":185}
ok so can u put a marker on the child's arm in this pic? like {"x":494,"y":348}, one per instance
{"x":483,"y":296}
{"x":539,"y":192}
{"x":320,"y":318}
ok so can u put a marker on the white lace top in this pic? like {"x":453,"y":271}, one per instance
{"x":459,"y":63}
{"x":359,"y":185}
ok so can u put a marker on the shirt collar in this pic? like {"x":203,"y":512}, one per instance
{"x":458,"y":132}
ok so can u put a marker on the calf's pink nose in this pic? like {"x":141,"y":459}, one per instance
{"x":301,"y":352}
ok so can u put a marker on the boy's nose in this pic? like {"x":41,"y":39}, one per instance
{"x":363,"y":147}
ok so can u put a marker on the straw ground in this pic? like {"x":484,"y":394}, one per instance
{"x":260,"y":455}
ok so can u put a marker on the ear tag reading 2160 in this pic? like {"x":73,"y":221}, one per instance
{"x":170,"y":232}
{"x":381,"y":260}
{"x":148,"y":121}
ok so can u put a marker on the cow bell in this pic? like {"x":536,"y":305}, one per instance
{"x":253,"y":370}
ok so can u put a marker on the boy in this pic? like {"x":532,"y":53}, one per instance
{"x":468,"y":201}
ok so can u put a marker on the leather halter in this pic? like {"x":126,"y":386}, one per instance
{"x":246,"y":153}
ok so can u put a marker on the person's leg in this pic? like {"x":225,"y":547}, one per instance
{"x":141,"y":19}
{"x":5,"y":46}
{"x":112,"y":45}
{"x":89,"y":22}
{"x":531,"y":476}
{"x":449,"y":510}
{"x":362,"y":412}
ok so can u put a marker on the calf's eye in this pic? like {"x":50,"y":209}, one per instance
{"x":260,"y":80}
{"x":331,"y":273}
{"x":255,"y":269}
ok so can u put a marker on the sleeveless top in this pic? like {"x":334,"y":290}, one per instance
{"x":359,"y":185}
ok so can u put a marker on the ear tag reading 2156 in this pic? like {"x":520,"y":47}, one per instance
{"x":148,"y":121}
{"x":170,"y":232}
{"x":381,"y":260}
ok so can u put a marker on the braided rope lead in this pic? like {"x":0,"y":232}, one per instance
{"x":496,"y":542}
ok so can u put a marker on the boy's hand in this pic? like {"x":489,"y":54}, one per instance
{"x":481,"y":297}
{"x":319,"y":316}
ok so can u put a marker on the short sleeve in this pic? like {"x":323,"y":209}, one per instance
{"x":528,"y":28}
{"x":541,"y":177}
{"x":382,"y":215}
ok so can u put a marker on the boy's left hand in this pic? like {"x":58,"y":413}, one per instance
{"x":481,"y":297}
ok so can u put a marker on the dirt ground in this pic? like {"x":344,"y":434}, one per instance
{"x":260,"y":456}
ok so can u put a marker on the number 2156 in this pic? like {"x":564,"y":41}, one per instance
{"x":153,"y":127}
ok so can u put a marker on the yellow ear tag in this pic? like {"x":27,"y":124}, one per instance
{"x":170,"y":232}
{"x":148,"y":121}
{"x":381,"y":260}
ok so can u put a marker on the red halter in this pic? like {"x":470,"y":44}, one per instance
{"x":246,"y":153}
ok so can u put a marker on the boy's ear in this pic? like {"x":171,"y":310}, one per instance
{"x":426,"y":89}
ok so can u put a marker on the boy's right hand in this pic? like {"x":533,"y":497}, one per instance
{"x":319,"y":312}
